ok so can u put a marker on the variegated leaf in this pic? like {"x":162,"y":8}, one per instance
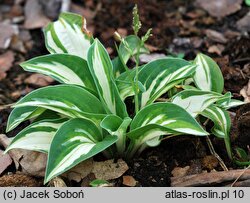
{"x":67,"y":35}
{"x":208,"y":76}
{"x":168,"y":115}
{"x":231,"y":104}
{"x":118,"y":127}
{"x":124,"y":84}
{"x":222,"y":124}
{"x":125,"y":89}
{"x":21,"y":114}
{"x":161,"y":75}
{"x":160,"y":119}
{"x":196,"y":101}
{"x":76,"y":140}
{"x":37,"y":136}
{"x":69,"y":100}
{"x":64,"y":68}
{"x":221,"y":120}
{"x":101,"y":68}
{"x":48,"y":114}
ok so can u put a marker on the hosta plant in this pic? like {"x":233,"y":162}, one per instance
{"x":87,"y":113}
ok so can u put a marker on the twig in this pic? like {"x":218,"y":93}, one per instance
{"x":240,"y":175}
{"x":213,"y":152}
{"x":242,"y":60}
{"x":243,"y":183}
{"x":209,"y":179}
{"x":241,"y":72}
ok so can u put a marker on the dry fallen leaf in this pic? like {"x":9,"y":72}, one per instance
{"x":87,"y":180}
{"x":34,"y":16}
{"x":80,"y":171}
{"x":180,"y":172}
{"x":217,"y":49}
{"x":220,"y":8}
{"x":39,"y":80}
{"x":52,"y":8}
{"x":244,"y":23}
{"x":17,"y":45}
{"x":90,"y":170}
{"x":31,"y":162}
{"x":229,"y":34}
{"x":245,"y":92}
{"x":6,"y":61}
{"x":196,"y":42}
{"x":5,"y":161}
{"x":6,"y":33}
{"x":195,"y":167}
{"x":108,"y":170}
{"x":57,"y":182}
{"x":151,"y":48}
{"x":216,"y":36}
{"x":129,"y":181}
{"x":88,"y":14}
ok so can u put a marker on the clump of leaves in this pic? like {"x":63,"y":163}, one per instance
{"x":87,"y":113}
{"x":242,"y":157}
{"x":247,"y":2}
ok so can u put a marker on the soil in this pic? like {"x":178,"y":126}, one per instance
{"x":178,"y":27}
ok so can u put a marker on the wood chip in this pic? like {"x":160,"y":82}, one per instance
{"x":129,"y":181}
